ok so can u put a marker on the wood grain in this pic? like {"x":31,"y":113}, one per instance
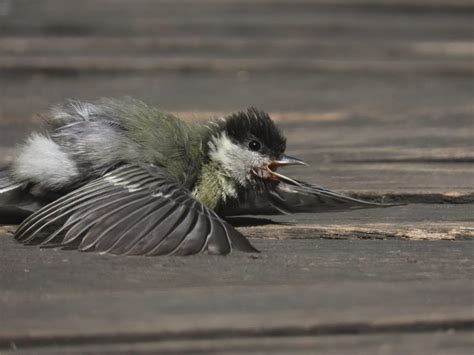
{"x":295,"y":287}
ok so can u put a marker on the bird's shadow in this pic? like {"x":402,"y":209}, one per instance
{"x":250,"y":221}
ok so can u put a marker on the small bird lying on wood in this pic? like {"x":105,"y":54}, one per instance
{"x":122,"y":177}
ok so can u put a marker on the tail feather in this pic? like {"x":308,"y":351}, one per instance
{"x":10,"y":215}
{"x":15,"y":203}
{"x":6,"y":182}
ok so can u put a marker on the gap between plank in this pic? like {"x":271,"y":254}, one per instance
{"x":420,"y":326}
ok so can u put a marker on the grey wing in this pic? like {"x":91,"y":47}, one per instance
{"x":132,"y":210}
{"x":287,"y":199}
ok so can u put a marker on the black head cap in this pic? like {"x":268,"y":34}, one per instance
{"x":256,"y":124}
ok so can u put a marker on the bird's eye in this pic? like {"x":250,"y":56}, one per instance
{"x":254,"y":145}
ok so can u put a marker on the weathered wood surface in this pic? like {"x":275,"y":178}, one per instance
{"x":294,"y":288}
{"x":375,"y":95}
{"x":437,"y":343}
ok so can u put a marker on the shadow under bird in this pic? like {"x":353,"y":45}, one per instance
{"x":121,"y":177}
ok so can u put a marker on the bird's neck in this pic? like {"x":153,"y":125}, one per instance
{"x":214,"y":186}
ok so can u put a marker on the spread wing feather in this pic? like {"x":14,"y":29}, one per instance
{"x":286,"y":199}
{"x":133,"y":210}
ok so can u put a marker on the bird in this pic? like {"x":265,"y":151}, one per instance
{"x":119,"y":176}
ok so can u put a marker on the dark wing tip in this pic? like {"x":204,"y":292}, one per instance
{"x":239,"y":241}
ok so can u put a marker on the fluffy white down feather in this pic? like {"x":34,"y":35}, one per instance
{"x":41,"y":161}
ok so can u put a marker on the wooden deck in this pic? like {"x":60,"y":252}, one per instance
{"x":376,"y":95}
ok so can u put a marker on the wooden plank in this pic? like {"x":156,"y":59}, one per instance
{"x":306,"y":20}
{"x":204,"y":65}
{"x":411,"y":222}
{"x":359,"y":103}
{"x":54,"y":9}
{"x":428,"y":231}
{"x":262,"y":29}
{"x":297,"y":287}
{"x":224,"y":46}
{"x":446,"y":101}
{"x":122,"y":8}
{"x":243,"y":311}
{"x":443,"y":342}
{"x":31,"y":271}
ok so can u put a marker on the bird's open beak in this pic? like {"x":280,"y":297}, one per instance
{"x":284,"y":161}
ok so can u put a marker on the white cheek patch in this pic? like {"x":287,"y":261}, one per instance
{"x":41,"y":161}
{"x":237,"y":161}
